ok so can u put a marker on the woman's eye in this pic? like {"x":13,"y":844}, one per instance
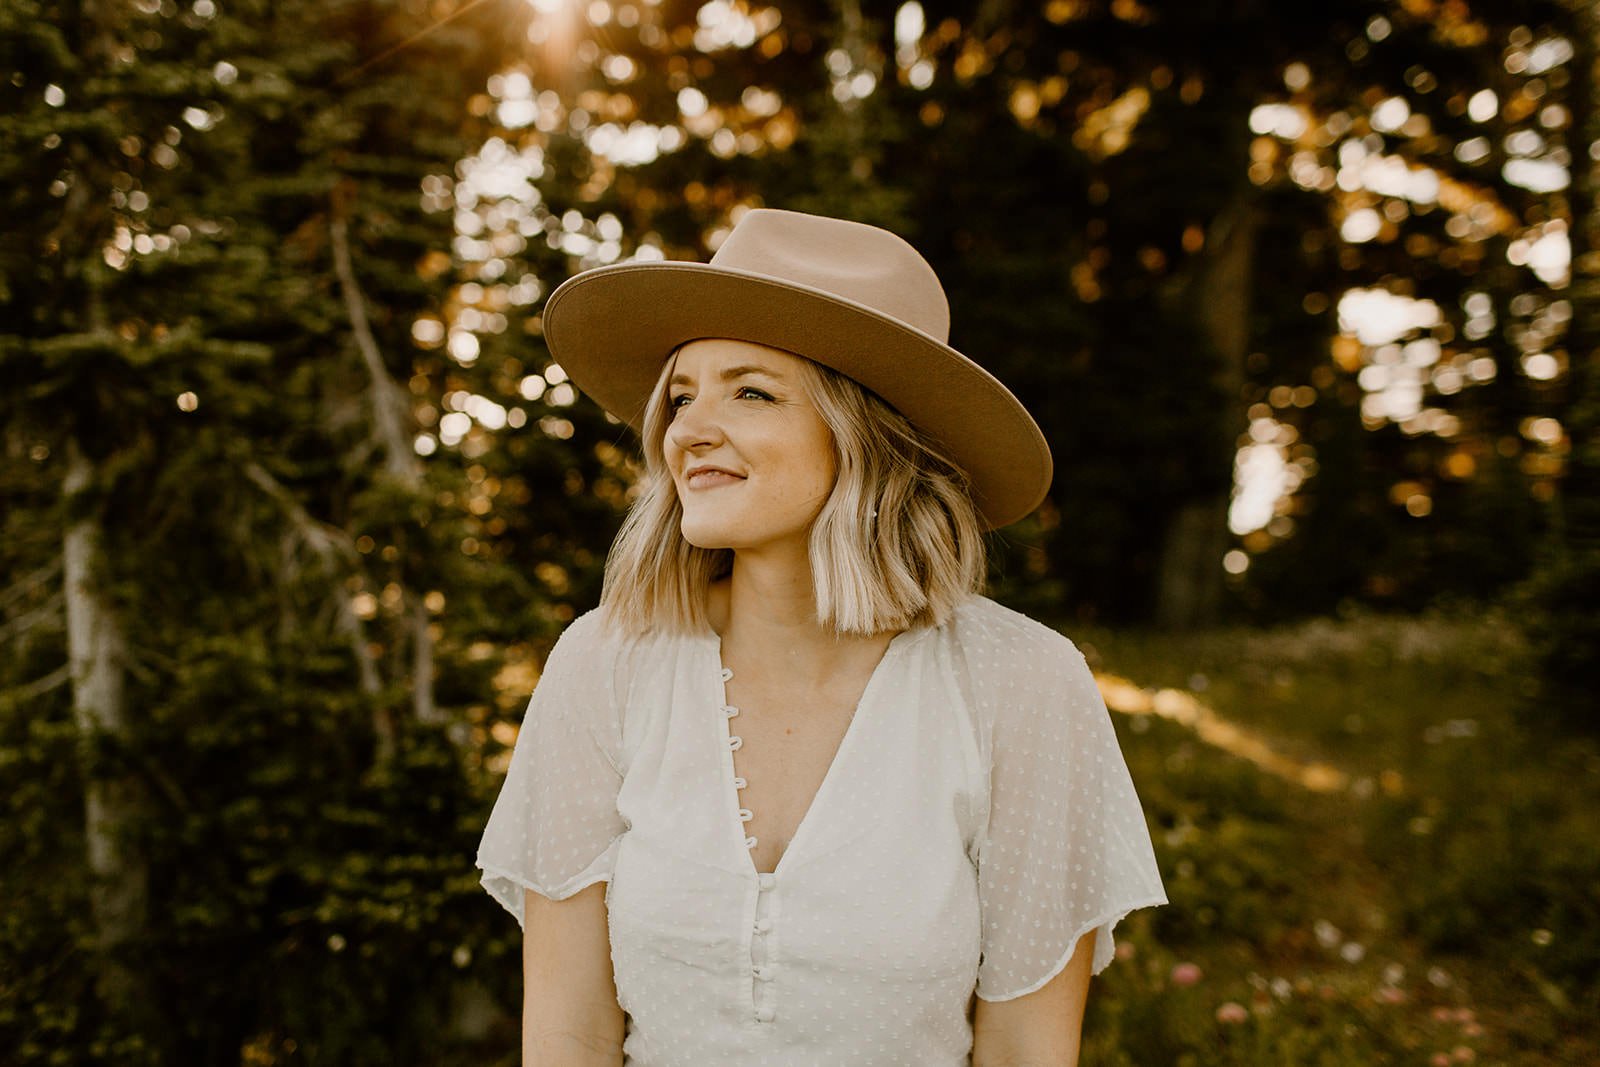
{"x":749,"y":390}
{"x":677,"y":402}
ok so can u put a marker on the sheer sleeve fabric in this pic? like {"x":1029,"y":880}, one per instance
{"x":1065,"y":848}
{"x":554,"y":825}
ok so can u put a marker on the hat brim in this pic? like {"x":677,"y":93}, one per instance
{"x":611,"y":328}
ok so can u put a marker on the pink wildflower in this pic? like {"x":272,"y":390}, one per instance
{"x":1232,"y":1012}
{"x":1186,"y":974}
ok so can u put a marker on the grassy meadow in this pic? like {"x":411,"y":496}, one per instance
{"x":1377,"y":850}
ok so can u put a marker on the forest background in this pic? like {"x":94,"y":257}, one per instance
{"x":1304,"y":296}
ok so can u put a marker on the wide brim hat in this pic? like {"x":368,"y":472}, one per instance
{"x":852,"y":297}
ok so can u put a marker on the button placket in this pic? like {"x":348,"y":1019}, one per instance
{"x":735,"y":743}
{"x":763,"y":950}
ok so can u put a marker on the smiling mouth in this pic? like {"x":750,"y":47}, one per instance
{"x":711,"y":479}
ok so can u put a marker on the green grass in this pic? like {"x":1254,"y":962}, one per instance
{"x":1443,"y":907}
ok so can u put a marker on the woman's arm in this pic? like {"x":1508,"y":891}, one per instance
{"x":570,"y":1015}
{"x":1041,"y":1029}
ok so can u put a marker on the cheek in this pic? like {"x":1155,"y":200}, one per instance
{"x":815,"y":465}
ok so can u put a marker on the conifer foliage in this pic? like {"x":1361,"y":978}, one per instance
{"x":294,"y":497}
{"x":252,"y":788}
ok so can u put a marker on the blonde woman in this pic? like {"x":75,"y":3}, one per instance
{"x":796,"y":792}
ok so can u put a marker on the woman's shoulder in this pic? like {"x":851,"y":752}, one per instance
{"x":1015,"y":666}
{"x":585,"y":635}
{"x":597,"y":630}
{"x":594,"y":641}
{"x":984,"y":626}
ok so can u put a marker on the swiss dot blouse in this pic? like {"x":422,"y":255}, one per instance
{"x":976,"y":821}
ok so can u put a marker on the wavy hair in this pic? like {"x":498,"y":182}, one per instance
{"x":897,"y":544}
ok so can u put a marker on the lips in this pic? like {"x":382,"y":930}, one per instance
{"x":710,"y":478}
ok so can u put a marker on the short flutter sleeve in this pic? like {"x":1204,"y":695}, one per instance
{"x":1065,"y":848}
{"x":554,"y":825}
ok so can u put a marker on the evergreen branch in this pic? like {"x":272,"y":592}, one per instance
{"x":40,"y":686}
{"x":29,"y":582}
{"x":328,"y":542}
{"x":389,"y":416}
{"x":388,"y":407}
{"x":51,"y":609}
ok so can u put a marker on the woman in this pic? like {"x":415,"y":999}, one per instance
{"x":846,"y":810}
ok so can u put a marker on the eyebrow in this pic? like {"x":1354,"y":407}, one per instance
{"x":730,"y":374}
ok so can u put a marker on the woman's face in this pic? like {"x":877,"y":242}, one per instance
{"x":749,"y":453}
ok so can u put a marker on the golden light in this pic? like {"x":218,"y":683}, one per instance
{"x":1181,"y":707}
{"x":1108,"y":130}
{"x":1460,"y":464}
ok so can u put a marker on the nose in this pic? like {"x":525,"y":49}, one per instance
{"x":695,"y":426}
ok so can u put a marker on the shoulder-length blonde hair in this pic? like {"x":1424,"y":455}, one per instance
{"x":898,"y":542}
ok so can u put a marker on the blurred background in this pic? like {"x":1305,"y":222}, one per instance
{"x":1305,"y":295}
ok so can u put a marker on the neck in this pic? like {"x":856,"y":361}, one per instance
{"x":766,"y":611}
{"x":770,"y":595}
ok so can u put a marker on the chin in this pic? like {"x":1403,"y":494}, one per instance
{"x":708,"y":535}
{"x":733,"y":533}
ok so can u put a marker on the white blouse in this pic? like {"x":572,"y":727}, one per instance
{"x":976,"y":821}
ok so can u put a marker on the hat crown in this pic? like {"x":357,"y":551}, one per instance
{"x":860,"y":263}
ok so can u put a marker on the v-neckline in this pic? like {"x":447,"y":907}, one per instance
{"x":862,"y":710}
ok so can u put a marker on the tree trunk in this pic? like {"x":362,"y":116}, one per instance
{"x":1189,"y":593}
{"x":114,"y":797}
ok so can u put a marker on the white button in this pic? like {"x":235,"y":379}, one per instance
{"x":749,"y":842}
{"x":767,"y":881}
{"x":739,"y":783}
{"x":735,"y":743}
{"x":764,"y":1015}
{"x":745,"y":814}
{"x":727,"y":674}
{"x":763,"y":925}
{"x":762,"y":974}
{"x":729,"y":710}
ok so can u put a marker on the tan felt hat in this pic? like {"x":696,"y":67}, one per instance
{"x":853,"y":297}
